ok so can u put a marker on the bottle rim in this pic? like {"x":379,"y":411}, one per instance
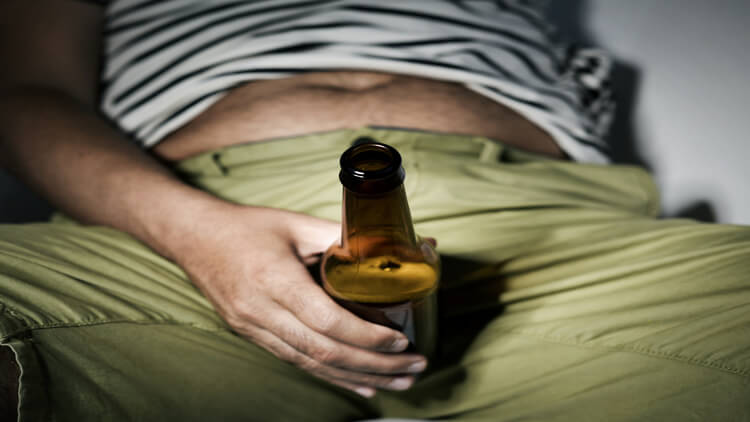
{"x":371,"y":164}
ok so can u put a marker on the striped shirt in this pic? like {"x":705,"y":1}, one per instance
{"x":166,"y":61}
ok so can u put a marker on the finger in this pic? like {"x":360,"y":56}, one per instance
{"x":364,"y":391}
{"x":431,"y":240}
{"x":311,"y":305}
{"x":337,"y":354}
{"x":341,"y":377}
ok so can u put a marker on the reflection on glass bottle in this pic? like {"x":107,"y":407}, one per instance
{"x":381,"y":270}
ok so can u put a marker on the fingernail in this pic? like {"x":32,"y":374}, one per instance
{"x":400,"y":383}
{"x":365,"y":391}
{"x":400,"y":345}
{"x":417,"y":366}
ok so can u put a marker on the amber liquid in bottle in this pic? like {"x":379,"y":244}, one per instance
{"x":381,"y":270}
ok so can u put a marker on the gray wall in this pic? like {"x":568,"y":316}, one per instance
{"x":685,"y":81}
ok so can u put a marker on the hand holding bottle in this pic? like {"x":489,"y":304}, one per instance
{"x":251,"y":265}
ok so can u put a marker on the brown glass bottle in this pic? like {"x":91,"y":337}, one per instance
{"x":381,"y":270}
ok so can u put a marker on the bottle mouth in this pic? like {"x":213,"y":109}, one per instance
{"x":369,"y":166}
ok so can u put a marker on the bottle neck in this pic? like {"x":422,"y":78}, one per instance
{"x":377,"y":215}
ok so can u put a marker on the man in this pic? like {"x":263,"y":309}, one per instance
{"x":589,"y":306}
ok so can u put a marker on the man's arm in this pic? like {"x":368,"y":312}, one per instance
{"x":51,"y":137}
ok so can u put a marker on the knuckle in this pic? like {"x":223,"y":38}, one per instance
{"x":326,"y":321}
{"x":240,"y":314}
{"x":307,"y":364}
{"x":383,"y":340}
{"x":382,"y":382}
{"x":242,"y":311}
{"x":315,"y":349}
{"x":234,"y":319}
{"x":266,"y":276}
{"x":296,"y":301}
{"x":324,"y":355}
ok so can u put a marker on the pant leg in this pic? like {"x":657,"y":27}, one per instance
{"x":564,"y":299}
{"x":104,"y":329}
{"x":582,"y":305}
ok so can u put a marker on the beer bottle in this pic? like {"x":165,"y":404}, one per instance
{"x":381,"y":270}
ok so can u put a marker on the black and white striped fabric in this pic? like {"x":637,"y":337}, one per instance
{"x":168,"y":60}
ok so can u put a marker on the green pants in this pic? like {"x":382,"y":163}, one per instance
{"x":563,"y":298}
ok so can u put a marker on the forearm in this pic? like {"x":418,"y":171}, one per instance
{"x":87,"y":169}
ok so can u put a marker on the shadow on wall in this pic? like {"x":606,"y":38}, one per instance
{"x":571,"y":19}
{"x":18,"y":204}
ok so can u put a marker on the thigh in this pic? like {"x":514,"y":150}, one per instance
{"x":653,"y":324}
{"x":558,"y":303}
{"x":104,"y":329}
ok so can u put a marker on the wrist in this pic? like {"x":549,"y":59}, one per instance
{"x":204,"y":222}
{"x":182,"y":220}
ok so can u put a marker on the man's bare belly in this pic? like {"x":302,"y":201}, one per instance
{"x":322,"y":101}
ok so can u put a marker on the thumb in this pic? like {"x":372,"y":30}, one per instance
{"x":312,"y":236}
